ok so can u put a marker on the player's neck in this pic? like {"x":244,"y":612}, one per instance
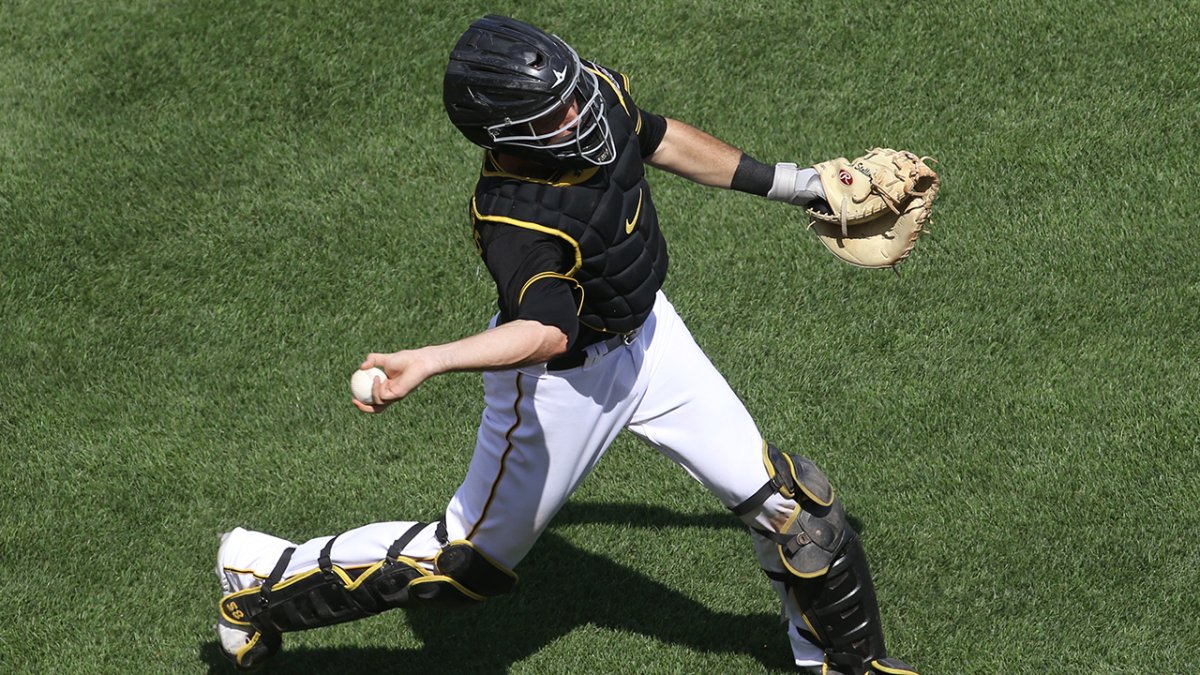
{"x":522,"y":166}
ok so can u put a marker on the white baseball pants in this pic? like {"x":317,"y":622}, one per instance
{"x":543,"y":431}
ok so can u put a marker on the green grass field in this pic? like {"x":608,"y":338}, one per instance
{"x":211,"y":211}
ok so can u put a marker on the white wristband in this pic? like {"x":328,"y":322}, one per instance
{"x":796,"y":186}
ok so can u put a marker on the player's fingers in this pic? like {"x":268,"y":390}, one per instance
{"x":391,"y":364}
{"x":383,"y":392}
{"x":363,"y":406}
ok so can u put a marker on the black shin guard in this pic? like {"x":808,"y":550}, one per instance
{"x":329,"y":594}
{"x":841,"y":609}
{"x":826,"y":570}
{"x":326,"y":595}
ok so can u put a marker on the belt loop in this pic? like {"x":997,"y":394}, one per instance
{"x":535,"y":369}
{"x":595,"y":353}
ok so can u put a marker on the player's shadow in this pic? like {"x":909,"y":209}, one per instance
{"x":564,"y":587}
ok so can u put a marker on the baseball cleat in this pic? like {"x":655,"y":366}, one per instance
{"x":243,"y":644}
{"x":884,"y":666}
{"x":246,"y":648}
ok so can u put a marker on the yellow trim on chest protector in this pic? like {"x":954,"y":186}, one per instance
{"x":620,"y":98}
{"x":552,"y":275}
{"x":491,"y":169}
{"x":536,"y":228}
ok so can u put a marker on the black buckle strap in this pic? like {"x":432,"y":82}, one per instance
{"x":397,"y":546}
{"x":324,"y":561}
{"x":276,"y":574}
{"x":755,"y":500}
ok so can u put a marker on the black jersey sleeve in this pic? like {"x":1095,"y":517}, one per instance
{"x":526,"y":267}
{"x":651,"y":129}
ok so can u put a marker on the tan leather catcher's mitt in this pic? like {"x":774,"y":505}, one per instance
{"x":878,"y":205}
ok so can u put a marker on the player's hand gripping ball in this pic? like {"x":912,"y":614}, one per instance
{"x":362,"y":383}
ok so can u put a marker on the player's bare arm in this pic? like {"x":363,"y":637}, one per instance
{"x":698,"y":156}
{"x":705,"y":159}
{"x":511,"y":345}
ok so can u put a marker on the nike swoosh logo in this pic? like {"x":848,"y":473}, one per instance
{"x":630,"y":224}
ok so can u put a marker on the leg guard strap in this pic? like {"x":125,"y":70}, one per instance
{"x":792,"y":476}
{"x":329,"y":594}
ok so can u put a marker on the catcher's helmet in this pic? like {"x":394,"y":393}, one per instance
{"x":507,"y":80}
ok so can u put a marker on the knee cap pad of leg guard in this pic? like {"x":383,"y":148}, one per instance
{"x":811,"y":537}
{"x":797,"y":477}
{"x":465,"y":576}
{"x":815,"y":531}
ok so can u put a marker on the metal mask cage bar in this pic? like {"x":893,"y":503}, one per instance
{"x":590,"y":139}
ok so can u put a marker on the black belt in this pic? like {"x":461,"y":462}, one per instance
{"x":578,"y":357}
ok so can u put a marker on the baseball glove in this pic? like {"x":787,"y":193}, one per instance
{"x":877,"y":206}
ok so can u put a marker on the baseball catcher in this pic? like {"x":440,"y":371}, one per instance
{"x":585,"y":344}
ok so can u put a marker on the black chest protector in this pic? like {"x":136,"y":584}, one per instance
{"x":616,"y":254}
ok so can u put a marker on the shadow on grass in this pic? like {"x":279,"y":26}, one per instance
{"x":562,"y":587}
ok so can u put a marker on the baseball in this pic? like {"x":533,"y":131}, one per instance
{"x":362,"y":381}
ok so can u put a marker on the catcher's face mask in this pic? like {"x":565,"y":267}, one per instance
{"x":584,"y":135}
